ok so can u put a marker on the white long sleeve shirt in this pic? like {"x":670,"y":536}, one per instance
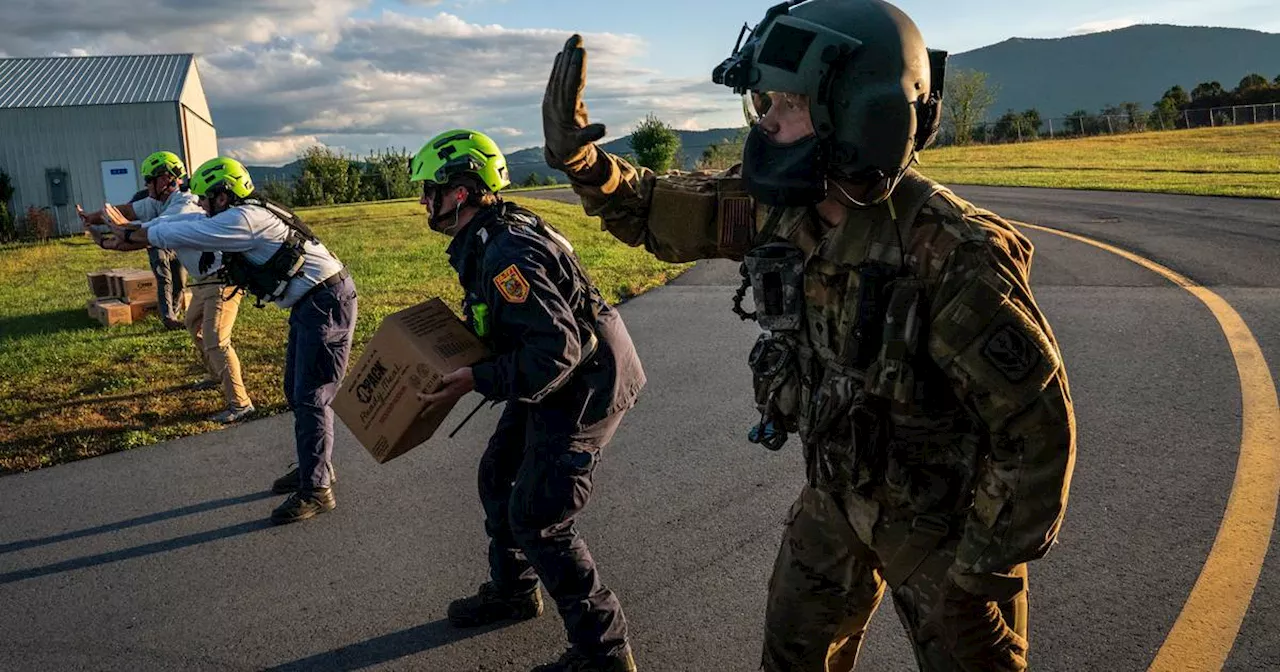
{"x":149,"y":210}
{"x":250,"y":230}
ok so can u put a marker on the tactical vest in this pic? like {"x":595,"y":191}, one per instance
{"x":841,"y":359}
{"x":269,"y":281}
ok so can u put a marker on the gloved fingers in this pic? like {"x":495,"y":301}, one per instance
{"x":590,"y":134}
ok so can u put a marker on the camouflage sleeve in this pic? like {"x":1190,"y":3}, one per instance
{"x":989,"y":336}
{"x":677,"y":218}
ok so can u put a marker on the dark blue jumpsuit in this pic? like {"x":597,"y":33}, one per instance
{"x":566,"y":367}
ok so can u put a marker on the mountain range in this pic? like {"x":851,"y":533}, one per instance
{"x":1055,"y":76}
{"x":1138,"y":64}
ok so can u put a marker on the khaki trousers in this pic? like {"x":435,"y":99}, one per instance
{"x":827,"y":582}
{"x":209,"y":318}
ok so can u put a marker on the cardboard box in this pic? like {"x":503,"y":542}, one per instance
{"x":101,"y":284}
{"x":139,"y":309}
{"x":411,"y":352}
{"x":110,"y":312}
{"x":137,"y":286}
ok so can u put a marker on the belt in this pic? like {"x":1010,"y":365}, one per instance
{"x":327,"y":282}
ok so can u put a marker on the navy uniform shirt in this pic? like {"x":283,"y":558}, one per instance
{"x":538,"y":320}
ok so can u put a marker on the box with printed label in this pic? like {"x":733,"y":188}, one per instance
{"x":110,"y":312}
{"x":137,"y":286}
{"x":411,"y":351}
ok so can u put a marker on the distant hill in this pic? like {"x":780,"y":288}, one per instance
{"x":1139,"y":63}
{"x":286,"y":173}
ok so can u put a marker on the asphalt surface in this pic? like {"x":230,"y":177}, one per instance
{"x":160,"y":558}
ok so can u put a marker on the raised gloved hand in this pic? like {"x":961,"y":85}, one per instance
{"x":565,"y":126}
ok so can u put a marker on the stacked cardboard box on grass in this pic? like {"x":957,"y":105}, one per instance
{"x":122,"y":295}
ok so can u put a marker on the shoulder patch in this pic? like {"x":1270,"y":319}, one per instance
{"x":1012,"y":353}
{"x":512,"y":285}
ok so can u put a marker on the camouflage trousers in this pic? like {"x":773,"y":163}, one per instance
{"x":827,"y":583}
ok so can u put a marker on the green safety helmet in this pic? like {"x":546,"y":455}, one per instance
{"x":163,"y":161}
{"x":222,"y":172}
{"x":874,"y":89}
{"x":460,"y":152}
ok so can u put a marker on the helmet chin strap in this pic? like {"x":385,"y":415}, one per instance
{"x":881,"y":198}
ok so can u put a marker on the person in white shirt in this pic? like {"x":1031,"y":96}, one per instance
{"x":267,"y":251}
{"x":162,"y":172}
{"x":212,"y":313}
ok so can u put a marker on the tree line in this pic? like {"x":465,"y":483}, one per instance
{"x":969,"y":95}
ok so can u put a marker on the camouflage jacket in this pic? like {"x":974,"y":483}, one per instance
{"x":972,"y":419}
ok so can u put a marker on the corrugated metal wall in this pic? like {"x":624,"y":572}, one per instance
{"x":77,"y":140}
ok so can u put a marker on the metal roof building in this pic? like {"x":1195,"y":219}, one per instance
{"x":76,"y":129}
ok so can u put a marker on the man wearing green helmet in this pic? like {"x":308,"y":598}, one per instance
{"x":568,"y":372}
{"x":268,"y":252}
{"x":901,"y":340}
{"x":212,"y":313}
{"x":161,"y":172}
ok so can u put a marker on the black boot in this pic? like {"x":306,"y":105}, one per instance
{"x":574,"y":660}
{"x":304,"y":504}
{"x":489,"y":605}
{"x":289,"y":482}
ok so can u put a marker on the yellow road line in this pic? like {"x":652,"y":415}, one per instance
{"x":1202,"y":637}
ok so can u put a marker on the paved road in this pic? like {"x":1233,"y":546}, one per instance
{"x":160,"y":559}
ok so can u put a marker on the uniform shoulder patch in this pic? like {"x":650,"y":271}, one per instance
{"x":512,"y":285}
{"x":1012,"y":353}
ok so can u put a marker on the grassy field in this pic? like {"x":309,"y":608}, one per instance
{"x":71,"y":389}
{"x":1231,"y":161}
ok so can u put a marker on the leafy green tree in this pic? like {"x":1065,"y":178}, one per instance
{"x":308,"y":190}
{"x":1135,"y":116}
{"x":386,"y":176}
{"x":1207,"y":94}
{"x":329,"y":178}
{"x":655,"y":144}
{"x":724,"y":154}
{"x":1254,"y":81}
{"x":8,"y":230}
{"x":278,"y":191}
{"x":969,"y":94}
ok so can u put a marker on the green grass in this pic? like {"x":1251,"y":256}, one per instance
{"x":1231,"y":161}
{"x":70,"y":388}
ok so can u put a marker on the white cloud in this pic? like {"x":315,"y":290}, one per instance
{"x":280,"y":79}
{"x":268,"y":151}
{"x":1104,"y":25}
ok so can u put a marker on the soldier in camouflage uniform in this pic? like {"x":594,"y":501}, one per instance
{"x":901,"y":339}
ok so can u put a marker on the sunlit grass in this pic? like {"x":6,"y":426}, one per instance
{"x":1227,"y":161}
{"x":70,"y":388}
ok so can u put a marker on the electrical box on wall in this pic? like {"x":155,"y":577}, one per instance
{"x":59,"y":190}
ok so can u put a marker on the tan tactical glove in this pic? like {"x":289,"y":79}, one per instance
{"x":975,"y":632}
{"x":565,"y":126}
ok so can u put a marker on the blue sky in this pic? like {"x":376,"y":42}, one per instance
{"x":361,"y":75}
{"x":688,"y":37}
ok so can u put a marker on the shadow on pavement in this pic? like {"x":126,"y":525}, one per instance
{"x":386,"y":648}
{"x":134,"y":522}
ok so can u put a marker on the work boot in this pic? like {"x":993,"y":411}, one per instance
{"x":304,"y":504}
{"x":489,"y":605}
{"x":289,"y":482}
{"x":575,"y":660}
